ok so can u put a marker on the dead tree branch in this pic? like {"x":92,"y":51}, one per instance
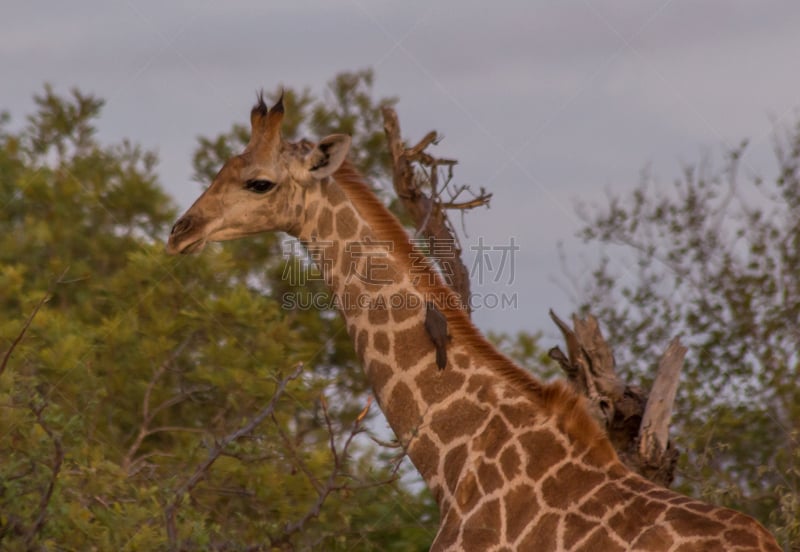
{"x":55,"y":470}
{"x":29,"y":321}
{"x":148,"y":413}
{"x":338,"y":479}
{"x":24,"y":329}
{"x":413,"y":169}
{"x":202,"y":470}
{"x":589,"y":365}
{"x":637,"y":423}
{"x":297,"y":461}
{"x":478,"y":201}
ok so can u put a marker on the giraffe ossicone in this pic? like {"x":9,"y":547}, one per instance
{"x":513,"y":463}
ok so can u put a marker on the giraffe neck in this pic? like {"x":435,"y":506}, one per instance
{"x":513,"y":463}
{"x":383,"y":310}
{"x":477,"y":405}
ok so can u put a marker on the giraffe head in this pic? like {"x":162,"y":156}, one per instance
{"x":262,"y":189}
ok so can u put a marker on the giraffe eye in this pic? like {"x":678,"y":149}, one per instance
{"x":260,"y":186}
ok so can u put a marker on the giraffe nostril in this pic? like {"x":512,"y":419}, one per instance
{"x":181,"y":226}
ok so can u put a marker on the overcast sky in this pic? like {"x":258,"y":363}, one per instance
{"x":543,"y":103}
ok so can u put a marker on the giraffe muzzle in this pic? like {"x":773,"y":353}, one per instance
{"x":184,"y":238}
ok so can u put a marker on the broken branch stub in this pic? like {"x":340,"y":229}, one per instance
{"x":589,"y":365}
{"x":636,"y":423}
{"x":654,"y":433}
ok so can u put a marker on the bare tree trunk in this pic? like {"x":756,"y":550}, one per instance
{"x":637,"y":422}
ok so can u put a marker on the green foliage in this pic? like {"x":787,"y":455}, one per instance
{"x":716,"y":260}
{"x":137,"y":364}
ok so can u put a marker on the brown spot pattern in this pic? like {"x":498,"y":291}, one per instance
{"x":641,"y":485}
{"x":448,"y":531}
{"x":453,"y":463}
{"x":568,"y":485}
{"x":542,"y":450}
{"x":521,"y":507}
{"x":381,"y":342}
{"x":492,"y":439}
{"x":435,"y":385}
{"x":325,"y":223}
{"x":404,"y":306}
{"x":379,"y":373}
{"x":518,"y":414}
{"x":361,"y":343}
{"x":679,"y":500}
{"x":335,"y":195}
{"x":600,"y":540}
{"x":510,"y":462}
{"x":378,"y":314}
{"x":467,"y":493}
{"x":410,"y":345}
{"x":542,"y":535}
{"x":690,"y":524}
{"x":605,"y":498}
{"x":741,"y":537}
{"x":460,"y":360}
{"x":577,"y":527}
{"x":350,"y":300}
{"x":478,"y":382}
{"x":482,"y":529}
{"x":490,"y":477}
{"x":346,"y":223}
{"x":425,"y":455}
{"x":724,"y":514}
{"x":655,"y":538}
{"x":462,"y":417}
{"x":628,"y":523}
{"x":403,"y":409}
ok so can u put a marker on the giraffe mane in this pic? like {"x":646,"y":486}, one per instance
{"x":555,"y":397}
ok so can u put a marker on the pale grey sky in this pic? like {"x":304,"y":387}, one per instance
{"x":543,"y":103}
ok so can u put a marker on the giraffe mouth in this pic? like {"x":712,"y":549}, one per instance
{"x":193,"y":247}
{"x":188,"y":248}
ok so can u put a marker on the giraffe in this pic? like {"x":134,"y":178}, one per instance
{"x":513,"y":463}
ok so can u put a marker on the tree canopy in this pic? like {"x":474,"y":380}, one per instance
{"x":125,"y":371}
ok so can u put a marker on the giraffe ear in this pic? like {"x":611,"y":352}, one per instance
{"x":327,"y":156}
